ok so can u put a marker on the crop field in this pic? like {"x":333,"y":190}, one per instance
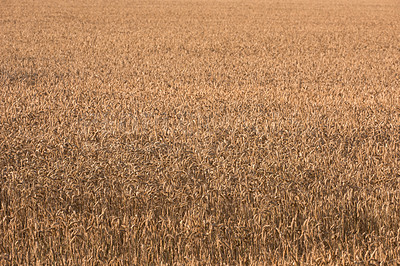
{"x":199,"y":132}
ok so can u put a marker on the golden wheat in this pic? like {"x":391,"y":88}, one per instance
{"x":199,"y":132}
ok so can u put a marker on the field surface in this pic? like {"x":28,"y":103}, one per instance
{"x":199,"y":132}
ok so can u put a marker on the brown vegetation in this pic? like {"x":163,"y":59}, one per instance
{"x":199,"y":132}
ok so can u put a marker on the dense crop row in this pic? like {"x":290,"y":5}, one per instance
{"x":199,"y":132}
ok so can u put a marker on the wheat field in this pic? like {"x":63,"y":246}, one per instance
{"x":199,"y":132}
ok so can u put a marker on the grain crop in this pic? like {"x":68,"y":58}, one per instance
{"x":199,"y":132}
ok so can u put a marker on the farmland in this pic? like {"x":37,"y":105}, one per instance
{"x":199,"y":132}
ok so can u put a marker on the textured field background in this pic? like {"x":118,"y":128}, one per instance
{"x":199,"y":132}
